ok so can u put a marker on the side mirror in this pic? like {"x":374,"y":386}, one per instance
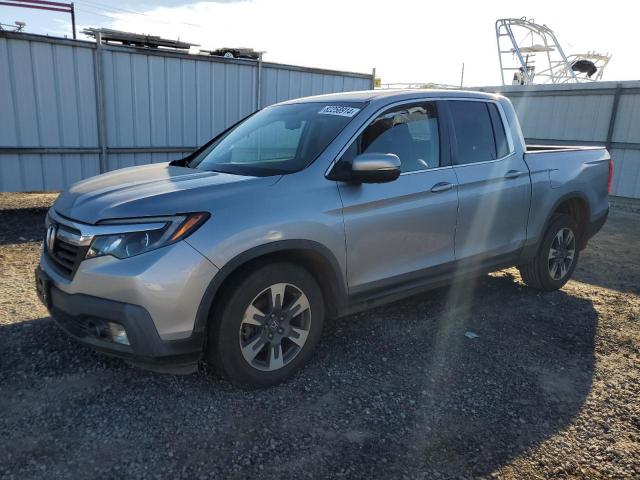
{"x":368,"y":168}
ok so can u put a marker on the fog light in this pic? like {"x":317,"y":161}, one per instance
{"x":117,"y":333}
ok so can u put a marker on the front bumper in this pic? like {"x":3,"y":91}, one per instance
{"x":85,"y":317}
{"x":169,"y":283}
{"x":156,"y":296}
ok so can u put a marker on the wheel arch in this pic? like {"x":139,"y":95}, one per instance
{"x":313,"y":256}
{"x":576,"y":205}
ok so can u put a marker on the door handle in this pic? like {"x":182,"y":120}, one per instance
{"x":441,"y":187}
{"x":513,"y":174}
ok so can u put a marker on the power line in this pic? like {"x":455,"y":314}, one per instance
{"x":109,"y":7}
{"x":87,"y":12}
{"x":102,"y":8}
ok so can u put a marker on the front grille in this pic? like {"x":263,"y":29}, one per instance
{"x":66,"y":256}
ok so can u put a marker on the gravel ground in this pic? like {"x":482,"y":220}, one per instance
{"x":549,"y":388}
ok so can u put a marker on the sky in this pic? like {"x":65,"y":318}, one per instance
{"x":405,"y":40}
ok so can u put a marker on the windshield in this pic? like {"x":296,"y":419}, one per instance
{"x":277,"y":140}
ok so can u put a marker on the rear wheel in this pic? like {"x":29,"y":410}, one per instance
{"x":268,"y":325}
{"x":557,"y":256}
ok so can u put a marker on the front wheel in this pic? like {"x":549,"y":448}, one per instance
{"x":268,"y":325}
{"x":557,"y":256}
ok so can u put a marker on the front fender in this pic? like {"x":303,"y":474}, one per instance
{"x":284,"y":247}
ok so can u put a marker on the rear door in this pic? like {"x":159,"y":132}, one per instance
{"x":494,"y":187}
{"x":397,"y":232}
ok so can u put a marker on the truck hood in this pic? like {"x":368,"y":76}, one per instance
{"x":152,"y":190}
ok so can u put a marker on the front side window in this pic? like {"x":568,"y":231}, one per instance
{"x":408,"y":131}
{"x":474,"y":132}
{"x":277,"y":140}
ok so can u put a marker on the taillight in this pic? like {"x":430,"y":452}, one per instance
{"x":610,"y":183}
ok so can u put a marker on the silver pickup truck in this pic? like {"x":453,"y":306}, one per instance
{"x":312,"y":208}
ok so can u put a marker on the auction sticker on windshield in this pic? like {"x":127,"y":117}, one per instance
{"x":338,"y":110}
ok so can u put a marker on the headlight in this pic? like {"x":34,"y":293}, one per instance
{"x":165,"y":231}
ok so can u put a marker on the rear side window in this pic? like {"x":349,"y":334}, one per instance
{"x":474,"y":132}
{"x":502,"y":146}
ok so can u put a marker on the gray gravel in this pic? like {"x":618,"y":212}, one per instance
{"x":548,"y":388}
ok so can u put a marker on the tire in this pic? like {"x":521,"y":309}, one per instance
{"x":258,"y":344}
{"x":540,"y":273}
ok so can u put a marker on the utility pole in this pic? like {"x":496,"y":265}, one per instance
{"x":73,"y":20}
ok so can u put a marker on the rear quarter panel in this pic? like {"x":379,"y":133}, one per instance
{"x":561,"y":174}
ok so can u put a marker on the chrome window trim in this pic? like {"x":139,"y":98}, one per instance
{"x":88,"y":232}
{"x":373,"y":116}
{"x":434,"y":169}
{"x":461,"y":165}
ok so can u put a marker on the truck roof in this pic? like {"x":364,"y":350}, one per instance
{"x":393,"y":95}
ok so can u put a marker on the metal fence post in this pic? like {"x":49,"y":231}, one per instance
{"x":100,"y":110}
{"x":614,"y":114}
{"x":259,"y":83}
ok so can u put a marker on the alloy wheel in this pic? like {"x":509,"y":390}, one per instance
{"x":275,"y":327}
{"x":562,"y":253}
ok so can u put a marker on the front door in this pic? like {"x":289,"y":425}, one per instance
{"x":398,"y":232}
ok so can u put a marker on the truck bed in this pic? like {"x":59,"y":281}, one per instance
{"x":559,"y":148}
{"x":560,"y":172}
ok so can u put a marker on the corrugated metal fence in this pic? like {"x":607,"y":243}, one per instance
{"x":603,"y":113}
{"x":71,"y":109}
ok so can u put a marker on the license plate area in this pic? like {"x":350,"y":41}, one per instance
{"x":43,"y":287}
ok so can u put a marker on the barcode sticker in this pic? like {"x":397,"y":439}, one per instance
{"x":338,"y":110}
